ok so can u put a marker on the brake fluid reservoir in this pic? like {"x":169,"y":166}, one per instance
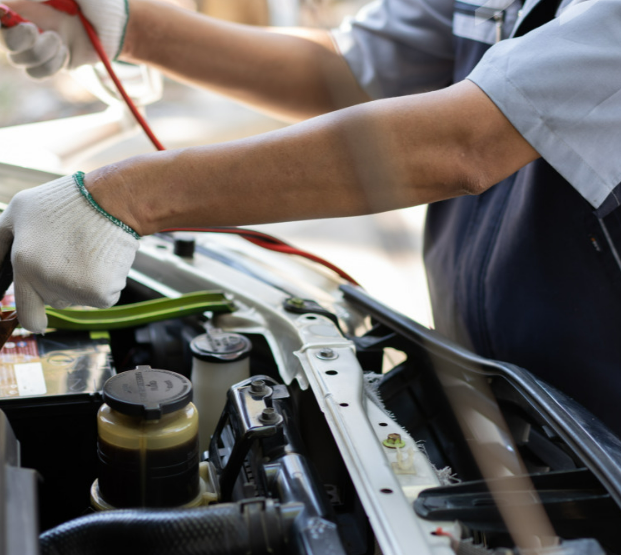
{"x":147,"y":442}
{"x":220,"y":360}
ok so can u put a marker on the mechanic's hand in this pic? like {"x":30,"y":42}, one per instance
{"x":66,"y":250}
{"x":64,"y":43}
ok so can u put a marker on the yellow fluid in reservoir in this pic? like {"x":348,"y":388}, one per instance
{"x":148,"y":462}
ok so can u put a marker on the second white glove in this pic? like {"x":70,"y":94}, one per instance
{"x":65,"y":250}
{"x":64,"y":42}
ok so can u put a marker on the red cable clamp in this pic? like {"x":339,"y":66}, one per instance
{"x":9,"y":18}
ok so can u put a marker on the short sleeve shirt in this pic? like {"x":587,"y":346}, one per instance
{"x":559,"y":85}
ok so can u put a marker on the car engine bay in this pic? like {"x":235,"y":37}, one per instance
{"x":327,"y":423}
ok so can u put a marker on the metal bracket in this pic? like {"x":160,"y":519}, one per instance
{"x":247,"y":417}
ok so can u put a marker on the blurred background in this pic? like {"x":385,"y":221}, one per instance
{"x":383,"y":252}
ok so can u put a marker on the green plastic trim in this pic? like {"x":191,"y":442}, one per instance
{"x":118,"y":53}
{"x":78,"y":177}
{"x":138,"y":314}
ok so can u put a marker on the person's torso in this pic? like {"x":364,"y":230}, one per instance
{"x":526,"y":272}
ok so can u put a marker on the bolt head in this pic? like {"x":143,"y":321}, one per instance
{"x":269,"y":415}
{"x":327,"y":354}
{"x":393,"y":441}
{"x":257,"y":386}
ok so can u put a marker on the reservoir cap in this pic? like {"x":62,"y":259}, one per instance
{"x":220,"y":346}
{"x":147,"y":392}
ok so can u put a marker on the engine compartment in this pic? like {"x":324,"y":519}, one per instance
{"x":353,"y":432}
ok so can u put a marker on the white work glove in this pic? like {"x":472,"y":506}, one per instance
{"x":65,"y":250}
{"x":64,"y":43}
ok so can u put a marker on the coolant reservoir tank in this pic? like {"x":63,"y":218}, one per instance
{"x":219,"y":360}
{"x":147,"y":442}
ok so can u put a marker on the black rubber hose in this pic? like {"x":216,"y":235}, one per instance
{"x":226,"y":529}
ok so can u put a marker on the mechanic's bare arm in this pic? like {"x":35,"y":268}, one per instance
{"x":66,"y":249}
{"x":293,"y":73}
{"x":369,"y":158}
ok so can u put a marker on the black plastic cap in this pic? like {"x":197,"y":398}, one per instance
{"x":147,"y":392}
{"x":184,"y":245}
{"x":220,"y":347}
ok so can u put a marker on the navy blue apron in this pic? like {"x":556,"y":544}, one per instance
{"x":528,"y":273}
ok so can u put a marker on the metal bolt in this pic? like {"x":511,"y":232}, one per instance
{"x":327,"y":354}
{"x":393,"y":441}
{"x":297,"y":302}
{"x":257,"y":386}
{"x":269,"y":415}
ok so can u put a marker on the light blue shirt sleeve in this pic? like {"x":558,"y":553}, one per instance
{"x":399,"y":47}
{"x":560,"y":86}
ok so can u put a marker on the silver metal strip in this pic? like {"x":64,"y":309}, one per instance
{"x":615,"y":253}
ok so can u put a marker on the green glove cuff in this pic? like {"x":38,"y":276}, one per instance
{"x":78,"y":177}
{"x":122,"y":42}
